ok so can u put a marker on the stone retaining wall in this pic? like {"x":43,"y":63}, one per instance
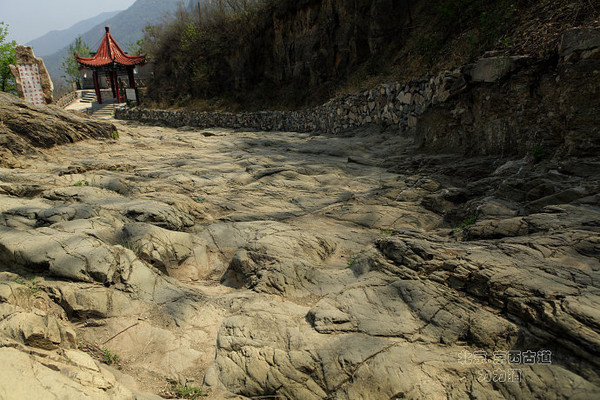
{"x":388,"y":104}
{"x":395,"y":104}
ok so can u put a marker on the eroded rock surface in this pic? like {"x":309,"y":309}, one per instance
{"x":299,"y":266}
{"x":24,"y":128}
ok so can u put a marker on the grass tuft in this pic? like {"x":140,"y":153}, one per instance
{"x":109,"y":358}
{"x":186,"y":391}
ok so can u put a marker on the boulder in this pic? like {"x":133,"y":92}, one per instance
{"x":578,"y":41}
{"x":25,"y":376}
{"x":285,"y":262}
{"x":24,"y":55}
{"x":493,"y":69}
{"x":35,"y":330}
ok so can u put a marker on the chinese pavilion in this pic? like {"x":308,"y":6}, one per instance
{"x":111,"y":60}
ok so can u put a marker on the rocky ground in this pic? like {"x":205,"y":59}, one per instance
{"x":300,"y":266}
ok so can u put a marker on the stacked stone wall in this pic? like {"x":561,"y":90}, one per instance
{"x":395,"y":104}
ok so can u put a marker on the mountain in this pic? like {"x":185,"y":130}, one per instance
{"x":127,"y":27}
{"x":210,"y":5}
{"x":53,"y":41}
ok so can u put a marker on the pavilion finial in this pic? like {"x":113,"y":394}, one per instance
{"x":107,"y":28}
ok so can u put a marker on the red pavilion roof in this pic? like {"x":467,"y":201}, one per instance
{"x":110,"y":53}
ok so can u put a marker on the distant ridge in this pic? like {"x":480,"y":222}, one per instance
{"x":53,"y":41}
{"x":126,"y":26}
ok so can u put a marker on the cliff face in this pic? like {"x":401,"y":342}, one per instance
{"x":549,"y":106}
{"x":323,"y":40}
{"x":291,"y":54}
{"x":296,"y":49}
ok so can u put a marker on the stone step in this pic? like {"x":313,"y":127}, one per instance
{"x":89,"y":96}
{"x":104,"y":110}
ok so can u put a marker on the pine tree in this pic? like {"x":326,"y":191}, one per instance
{"x":69,"y":64}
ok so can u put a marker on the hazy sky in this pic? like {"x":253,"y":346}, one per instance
{"x":30,"y":19}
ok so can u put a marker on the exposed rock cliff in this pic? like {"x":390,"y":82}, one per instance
{"x":550,"y":106}
{"x":324,"y":40}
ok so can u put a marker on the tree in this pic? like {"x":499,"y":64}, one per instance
{"x":7,"y":57}
{"x":69,"y":64}
{"x":137,"y":47}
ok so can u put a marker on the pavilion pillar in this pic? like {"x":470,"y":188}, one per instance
{"x":130,"y":73}
{"x":115,"y":79}
{"x":97,"y":87}
{"x":111,"y":79}
{"x":131,"y":77}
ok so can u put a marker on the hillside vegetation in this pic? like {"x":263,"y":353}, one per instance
{"x":288,"y":54}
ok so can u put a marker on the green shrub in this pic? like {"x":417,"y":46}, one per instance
{"x":465,"y":223}
{"x":187,"y":392}
{"x":539,"y":152}
{"x":468,"y":221}
{"x":490,"y":19}
{"x":429,"y":45}
{"x":109,"y":357}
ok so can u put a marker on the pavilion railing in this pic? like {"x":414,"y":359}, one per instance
{"x":67,"y":99}
{"x":139,"y":84}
